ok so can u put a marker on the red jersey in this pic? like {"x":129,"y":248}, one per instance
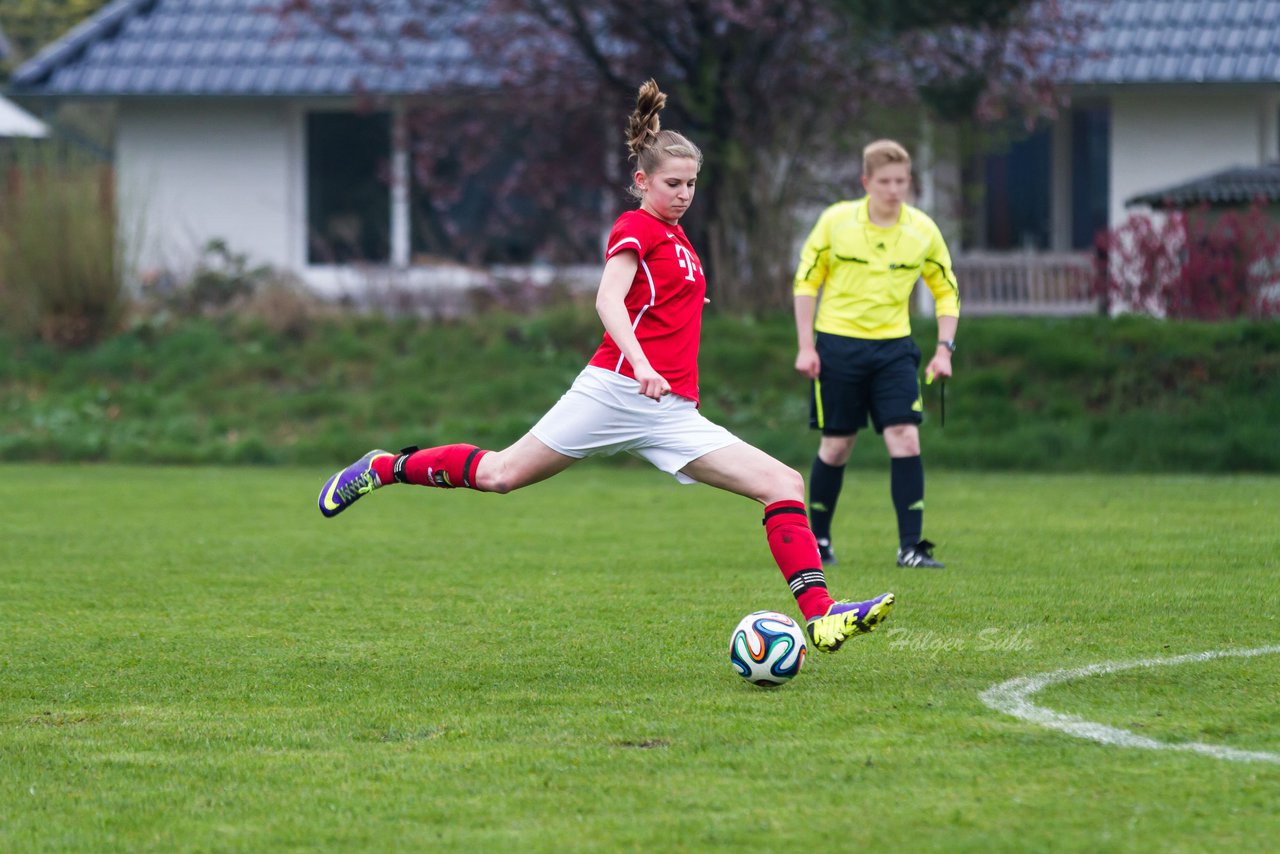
{"x":664,"y":303}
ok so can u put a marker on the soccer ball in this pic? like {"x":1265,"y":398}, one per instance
{"x":767,"y":649}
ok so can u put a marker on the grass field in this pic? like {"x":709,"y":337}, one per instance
{"x":194,"y":660}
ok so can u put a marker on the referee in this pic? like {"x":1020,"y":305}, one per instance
{"x":864,"y":257}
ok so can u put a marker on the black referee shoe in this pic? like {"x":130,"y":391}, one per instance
{"x":919,"y":555}
{"x":825,"y":552}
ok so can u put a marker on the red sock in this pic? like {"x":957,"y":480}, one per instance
{"x":448,"y":466}
{"x":796,"y":552}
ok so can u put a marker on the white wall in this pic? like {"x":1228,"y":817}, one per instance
{"x":192,"y":171}
{"x":15,"y":121}
{"x":1162,"y":137}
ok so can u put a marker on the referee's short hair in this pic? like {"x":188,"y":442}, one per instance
{"x":882,"y":152}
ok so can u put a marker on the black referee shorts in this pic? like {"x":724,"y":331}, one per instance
{"x":862,"y":377}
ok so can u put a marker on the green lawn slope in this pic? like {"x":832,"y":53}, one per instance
{"x":1076,"y":394}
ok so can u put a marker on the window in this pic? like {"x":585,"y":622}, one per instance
{"x":1017,"y":194}
{"x":473,"y":213}
{"x":348,"y":191}
{"x":1090,"y":182}
{"x":491,"y":186}
{"x":479,"y":188}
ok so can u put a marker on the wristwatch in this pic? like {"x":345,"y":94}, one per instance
{"x":950,"y":345}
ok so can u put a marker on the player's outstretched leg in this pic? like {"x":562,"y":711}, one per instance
{"x":352,"y":483}
{"x":844,"y":620}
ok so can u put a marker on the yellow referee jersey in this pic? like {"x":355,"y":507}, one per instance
{"x":866,"y":273}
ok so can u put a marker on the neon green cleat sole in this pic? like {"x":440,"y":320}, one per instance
{"x":848,"y":619}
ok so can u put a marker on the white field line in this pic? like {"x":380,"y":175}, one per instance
{"x":1011,"y":698}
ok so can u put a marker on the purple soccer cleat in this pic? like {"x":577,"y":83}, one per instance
{"x":843,"y":620}
{"x":349,"y":485}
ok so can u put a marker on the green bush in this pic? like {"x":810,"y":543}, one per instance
{"x":1079,"y":394}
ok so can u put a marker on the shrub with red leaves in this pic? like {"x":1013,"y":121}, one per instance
{"x":1198,"y":264}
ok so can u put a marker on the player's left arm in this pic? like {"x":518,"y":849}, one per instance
{"x":615,"y":283}
{"x":941,"y":280}
{"x":939,"y":366}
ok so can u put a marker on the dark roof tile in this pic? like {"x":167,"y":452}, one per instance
{"x":1179,"y":41}
{"x":1241,"y":185}
{"x":176,"y":47}
{"x":179,"y":47}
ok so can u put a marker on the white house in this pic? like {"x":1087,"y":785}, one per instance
{"x":231,"y":125}
{"x":1163,"y":91}
{"x":234,"y":124}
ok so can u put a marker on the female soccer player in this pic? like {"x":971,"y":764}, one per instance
{"x":639,"y":393}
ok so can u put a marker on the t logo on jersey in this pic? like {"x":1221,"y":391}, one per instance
{"x":685,"y":258}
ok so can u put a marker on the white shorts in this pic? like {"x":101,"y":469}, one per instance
{"x":603,"y":412}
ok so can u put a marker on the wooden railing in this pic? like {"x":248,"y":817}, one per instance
{"x":1025,"y":283}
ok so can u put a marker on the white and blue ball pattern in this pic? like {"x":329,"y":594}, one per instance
{"x":767,"y":649}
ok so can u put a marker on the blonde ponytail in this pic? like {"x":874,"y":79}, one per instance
{"x":649,"y":145}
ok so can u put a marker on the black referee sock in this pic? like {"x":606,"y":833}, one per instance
{"x":906,"y":486}
{"x":824,"y":490}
